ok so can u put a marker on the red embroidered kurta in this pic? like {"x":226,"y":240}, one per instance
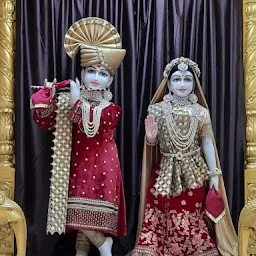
{"x":96,"y":198}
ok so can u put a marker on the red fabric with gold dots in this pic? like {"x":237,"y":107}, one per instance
{"x":96,"y":197}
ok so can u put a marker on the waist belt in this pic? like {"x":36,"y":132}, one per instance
{"x":179,"y":155}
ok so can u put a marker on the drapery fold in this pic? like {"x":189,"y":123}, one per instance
{"x":153,"y":32}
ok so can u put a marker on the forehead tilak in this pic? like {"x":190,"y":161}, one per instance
{"x":98,"y":66}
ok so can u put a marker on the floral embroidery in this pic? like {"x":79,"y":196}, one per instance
{"x":190,"y":193}
{"x":183,"y":202}
{"x":176,"y":229}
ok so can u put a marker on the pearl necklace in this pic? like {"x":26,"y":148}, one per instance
{"x":92,"y":98}
{"x":180,"y":141}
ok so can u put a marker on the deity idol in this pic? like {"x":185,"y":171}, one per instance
{"x":86,"y":192}
{"x":183,"y":209}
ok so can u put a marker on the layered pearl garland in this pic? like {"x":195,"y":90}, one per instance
{"x":180,"y":141}
{"x":92,"y":98}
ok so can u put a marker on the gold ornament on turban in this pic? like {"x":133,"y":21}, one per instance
{"x":98,"y":42}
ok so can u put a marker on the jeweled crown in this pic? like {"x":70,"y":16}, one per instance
{"x":184,"y":62}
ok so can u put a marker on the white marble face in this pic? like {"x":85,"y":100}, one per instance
{"x":181,"y":83}
{"x":96,"y":77}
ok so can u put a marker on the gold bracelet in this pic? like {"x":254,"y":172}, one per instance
{"x":151,"y":144}
{"x":215,"y":171}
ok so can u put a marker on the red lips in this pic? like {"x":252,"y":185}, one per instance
{"x":95,"y":83}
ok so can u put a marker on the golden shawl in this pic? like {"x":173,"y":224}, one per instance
{"x":226,"y":237}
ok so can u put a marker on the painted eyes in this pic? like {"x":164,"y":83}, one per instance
{"x":102,"y":73}
{"x":186,"y":79}
{"x":93,"y":71}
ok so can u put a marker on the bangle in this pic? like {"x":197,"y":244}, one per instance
{"x":215,"y":171}
{"x":151,"y":144}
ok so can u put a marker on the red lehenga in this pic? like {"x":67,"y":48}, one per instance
{"x":176,"y":225}
{"x":95,"y":191}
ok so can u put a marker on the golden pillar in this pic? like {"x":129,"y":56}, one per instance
{"x":12,"y":219}
{"x":247,"y":221}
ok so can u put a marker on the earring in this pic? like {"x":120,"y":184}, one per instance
{"x":168,"y":98}
{"x":193,"y":98}
{"x":107,"y":95}
{"x":82,"y":83}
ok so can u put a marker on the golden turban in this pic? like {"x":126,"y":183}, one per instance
{"x":98,"y":42}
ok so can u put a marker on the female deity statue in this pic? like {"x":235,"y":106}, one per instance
{"x":86,"y":192}
{"x":182,"y":212}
